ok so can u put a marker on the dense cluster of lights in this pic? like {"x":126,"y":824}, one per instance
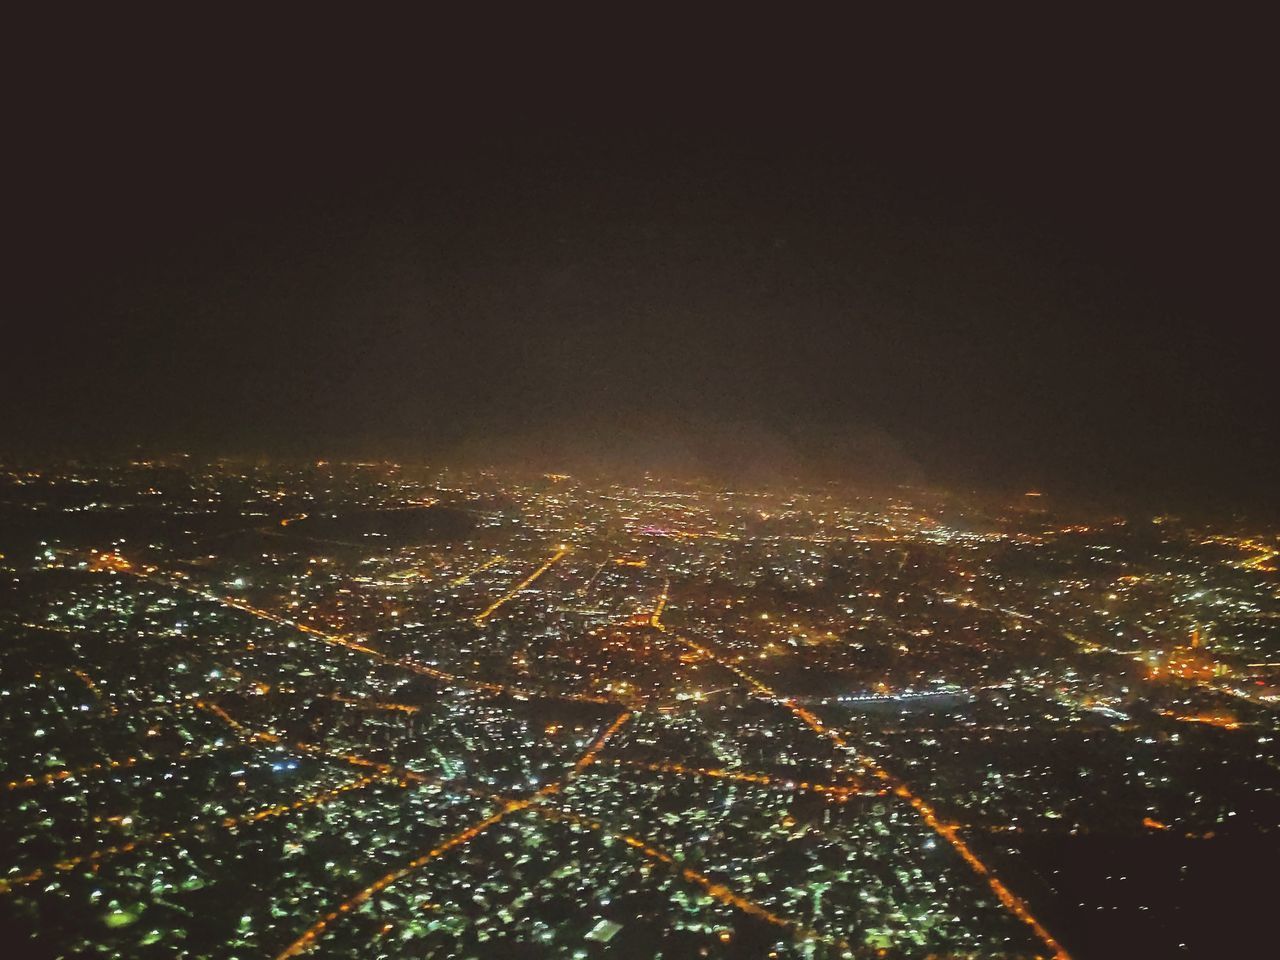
{"x":803,"y":723}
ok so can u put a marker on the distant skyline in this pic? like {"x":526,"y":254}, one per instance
{"x":1050,"y":276}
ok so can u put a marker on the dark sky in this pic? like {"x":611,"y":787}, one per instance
{"x":1045,"y":263}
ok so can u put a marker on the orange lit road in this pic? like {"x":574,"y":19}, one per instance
{"x":360,"y":703}
{"x":45,"y":779}
{"x":655,"y":619}
{"x":1265,"y":552}
{"x":593,"y":751}
{"x":124,"y":763}
{"x":1223,"y":723}
{"x":118,"y":564}
{"x":313,"y":933}
{"x":248,"y":735}
{"x":402,"y":774}
{"x":459,"y":581}
{"x":227,"y":823}
{"x":1013,"y":903}
{"x":364,"y":703}
{"x":519,"y":588}
{"x":948,"y":832}
{"x":841,"y":790}
{"x":717,"y":891}
{"x":93,"y":688}
{"x":585,"y":589}
{"x":723,"y":894}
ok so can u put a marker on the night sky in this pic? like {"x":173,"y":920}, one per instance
{"x":1045,"y":268}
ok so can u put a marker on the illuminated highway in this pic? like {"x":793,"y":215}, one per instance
{"x":520,"y":587}
{"x":8,"y":884}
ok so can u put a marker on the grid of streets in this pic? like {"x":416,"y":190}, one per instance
{"x":351,"y":710}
